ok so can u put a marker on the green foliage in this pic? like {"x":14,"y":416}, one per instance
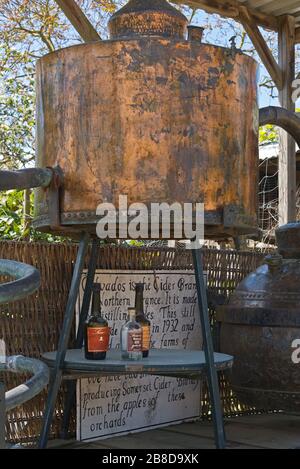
{"x":12,"y":224}
{"x":135,"y":243}
{"x":16,"y":120}
{"x":11,"y":215}
{"x":268,"y":134}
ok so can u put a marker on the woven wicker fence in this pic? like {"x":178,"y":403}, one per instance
{"x":32,"y":327}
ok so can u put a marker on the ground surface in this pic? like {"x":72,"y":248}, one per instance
{"x":251,"y":432}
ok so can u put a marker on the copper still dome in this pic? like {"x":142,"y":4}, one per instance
{"x":261,"y":325}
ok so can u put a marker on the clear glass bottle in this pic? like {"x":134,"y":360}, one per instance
{"x":141,"y":318}
{"x":131,"y":338}
{"x":97,"y":332}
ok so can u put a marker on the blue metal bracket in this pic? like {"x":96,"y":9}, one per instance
{"x":2,"y":416}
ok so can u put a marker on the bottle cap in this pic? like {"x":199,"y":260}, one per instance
{"x":139,"y":286}
{"x":195,"y":33}
{"x":131,"y":311}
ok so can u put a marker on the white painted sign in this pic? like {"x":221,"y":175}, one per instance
{"x":116,"y":405}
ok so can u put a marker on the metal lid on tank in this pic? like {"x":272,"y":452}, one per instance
{"x":288,"y":240}
{"x":147,"y":18}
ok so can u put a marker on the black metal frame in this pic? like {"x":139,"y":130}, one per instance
{"x":71,"y":385}
{"x":2,"y":415}
{"x":212,"y":375}
{"x":57,"y":372}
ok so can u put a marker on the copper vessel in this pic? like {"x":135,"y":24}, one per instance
{"x":151,"y":115}
{"x":261,"y":323}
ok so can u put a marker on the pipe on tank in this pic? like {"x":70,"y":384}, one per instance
{"x":32,"y":387}
{"x":281,"y":117}
{"x":25,"y":178}
{"x":26,"y":280}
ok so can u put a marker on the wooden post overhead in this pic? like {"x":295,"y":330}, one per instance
{"x":261,"y":47}
{"x":231,"y":9}
{"x":297,"y":36}
{"x":78,"y":19}
{"x":287,"y":155}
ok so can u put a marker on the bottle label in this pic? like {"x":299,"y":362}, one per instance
{"x":98,"y":339}
{"x":146,"y":338}
{"x":134,"y":343}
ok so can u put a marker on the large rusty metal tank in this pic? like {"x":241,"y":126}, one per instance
{"x":261,"y":327}
{"x":151,"y":115}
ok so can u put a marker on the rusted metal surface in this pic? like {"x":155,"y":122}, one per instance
{"x":159,"y":119}
{"x":152,"y":18}
{"x":259,"y":325}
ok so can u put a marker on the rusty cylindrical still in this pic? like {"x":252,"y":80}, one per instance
{"x":150,"y":115}
{"x":261,"y":327}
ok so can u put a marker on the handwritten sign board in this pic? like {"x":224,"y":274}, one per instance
{"x":114,"y":405}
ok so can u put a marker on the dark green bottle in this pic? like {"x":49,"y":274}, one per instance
{"x":96,"y":340}
{"x":141,"y":318}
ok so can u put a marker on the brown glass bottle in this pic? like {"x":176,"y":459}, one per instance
{"x":96,"y":340}
{"x":141,"y":318}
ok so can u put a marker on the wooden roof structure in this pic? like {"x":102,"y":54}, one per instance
{"x":266,"y":13}
{"x":282,"y":16}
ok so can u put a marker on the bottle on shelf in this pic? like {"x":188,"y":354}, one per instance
{"x":141,"y":318}
{"x":131,"y":338}
{"x":97,"y":332}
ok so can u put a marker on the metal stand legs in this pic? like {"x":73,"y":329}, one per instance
{"x":212,"y":375}
{"x":65,"y":334}
{"x":2,"y":415}
{"x":71,"y":385}
{"x":56,"y":376}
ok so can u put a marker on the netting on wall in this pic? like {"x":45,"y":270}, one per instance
{"x":268,"y":199}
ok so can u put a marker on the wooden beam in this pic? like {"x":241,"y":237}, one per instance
{"x":261,"y":47}
{"x":287,"y":154}
{"x":226,"y":8}
{"x":278,"y":8}
{"x":78,"y":19}
{"x":297,"y":36}
{"x":264,"y":20}
{"x":260,"y":3}
{"x":231,"y":9}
